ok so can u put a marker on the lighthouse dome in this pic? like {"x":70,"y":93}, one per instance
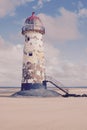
{"x":33,"y":20}
{"x":33,"y":23}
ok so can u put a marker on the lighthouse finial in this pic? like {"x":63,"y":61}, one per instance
{"x":33,"y":13}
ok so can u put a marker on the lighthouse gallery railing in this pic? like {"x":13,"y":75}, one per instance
{"x":34,"y":27}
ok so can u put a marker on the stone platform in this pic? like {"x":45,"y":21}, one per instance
{"x":37,"y":93}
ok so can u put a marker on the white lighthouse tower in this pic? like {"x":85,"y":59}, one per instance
{"x":34,"y":79}
{"x":33,"y":71}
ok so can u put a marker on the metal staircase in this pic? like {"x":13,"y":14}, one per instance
{"x":56,"y":83}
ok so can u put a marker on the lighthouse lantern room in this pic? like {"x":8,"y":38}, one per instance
{"x":33,"y":70}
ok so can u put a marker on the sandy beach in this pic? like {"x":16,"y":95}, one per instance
{"x":43,"y":113}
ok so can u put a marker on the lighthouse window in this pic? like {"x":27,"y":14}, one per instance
{"x":28,"y":38}
{"x":30,"y":54}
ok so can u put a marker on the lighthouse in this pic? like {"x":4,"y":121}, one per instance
{"x":34,"y":79}
{"x":33,"y":69}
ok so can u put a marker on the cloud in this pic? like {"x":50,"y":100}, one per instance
{"x":58,"y":29}
{"x":80,"y":5}
{"x":10,"y":63}
{"x":1,"y":41}
{"x":40,"y":4}
{"x":61,"y":28}
{"x":82,"y":12}
{"x":69,"y":73}
{"x":7,"y":7}
{"x":52,"y":55}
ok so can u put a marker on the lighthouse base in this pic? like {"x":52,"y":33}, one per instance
{"x":35,"y":90}
{"x":36,"y":93}
{"x":28,"y":86}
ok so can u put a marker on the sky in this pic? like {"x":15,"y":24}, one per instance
{"x":65,"y":40}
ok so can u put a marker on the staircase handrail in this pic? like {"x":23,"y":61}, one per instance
{"x":57,"y":83}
